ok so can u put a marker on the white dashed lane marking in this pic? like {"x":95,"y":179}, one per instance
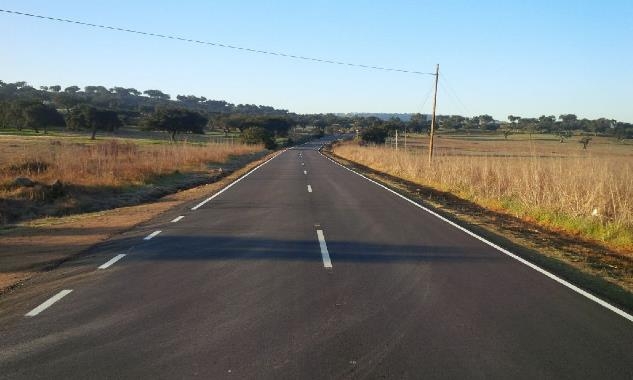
{"x":113,"y":260}
{"x":325,"y":255}
{"x":48,"y":303}
{"x":152,"y":235}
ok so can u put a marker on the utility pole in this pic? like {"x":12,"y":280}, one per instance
{"x":396,"y":139}
{"x":437,"y":75}
{"x":405,"y":139}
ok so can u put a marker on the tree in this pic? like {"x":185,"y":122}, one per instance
{"x":563,"y":134}
{"x":528,"y":124}
{"x":585,"y":141}
{"x":623,"y":131}
{"x":452,"y":122}
{"x":55,"y":88}
{"x":66,"y":100}
{"x":156,"y":94}
{"x":569,"y":121}
{"x":277,"y":125}
{"x":40,"y":115}
{"x":12,"y":115}
{"x":191,"y":100}
{"x":394,"y":124}
{"x":88,"y":117}
{"x":487,"y":122}
{"x":72,"y":89}
{"x":376,"y":135}
{"x":513,"y":120}
{"x":546,"y":123}
{"x":120,"y":91}
{"x":96,"y":90}
{"x":600,"y":126}
{"x":257,"y":135}
{"x":564,"y":128}
{"x":175,"y":121}
{"x":134,"y":92}
{"x":471,"y":123}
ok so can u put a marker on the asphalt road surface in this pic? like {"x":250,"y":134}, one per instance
{"x":305,"y":270}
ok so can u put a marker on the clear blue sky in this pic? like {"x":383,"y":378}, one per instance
{"x":496,"y":57}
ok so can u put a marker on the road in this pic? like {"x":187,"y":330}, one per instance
{"x":305,"y":270}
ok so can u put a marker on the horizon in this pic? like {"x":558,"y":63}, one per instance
{"x":504,"y":59}
{"x":173,"y":98}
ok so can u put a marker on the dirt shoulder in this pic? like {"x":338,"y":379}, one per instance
{"x":588,"y":264}
{"x":38,"y":246}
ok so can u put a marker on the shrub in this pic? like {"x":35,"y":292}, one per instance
{"x":376,"y":135}
{"x":259,"y":135}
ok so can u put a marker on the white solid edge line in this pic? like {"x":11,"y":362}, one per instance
{"x":327,"y":263}
{"x":152,"y":235}
{"x":178,"y":219}
{"x":113,"y":260}
{"x":194,"y":208}
{"x":565,"y":283}
{"x":48,"y":303}
{"x":309,"y":189}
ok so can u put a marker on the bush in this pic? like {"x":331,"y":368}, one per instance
{"x":376,"y":135}
{"x":259,"y":135}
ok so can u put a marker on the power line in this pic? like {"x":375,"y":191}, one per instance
{"x":428,"y":96}
{"x":453,"y":93}
{"x":216,"y":44}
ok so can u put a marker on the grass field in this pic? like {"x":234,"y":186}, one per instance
{"x":558,"y":185}
{"x":107,"y":165}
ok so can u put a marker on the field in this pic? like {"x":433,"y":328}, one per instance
{"x":561,"y":186}
{"x":62,"y":174}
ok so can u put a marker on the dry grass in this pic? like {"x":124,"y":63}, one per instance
{"x":584,"y":192}
{"x":112,"y":163}
{"x":74,"y":175}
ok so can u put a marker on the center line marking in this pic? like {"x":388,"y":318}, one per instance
{"x":305,"y":172}
{"x":309,"y":189}
{"x":152,"y":235}
{"x":48,"y":303}
{"x":327,"y":263}
{"x":177,"y":219}
{"x":112,"y":261}
{"x":302,"y":164}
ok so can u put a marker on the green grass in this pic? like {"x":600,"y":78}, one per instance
{"x":590,"y":227}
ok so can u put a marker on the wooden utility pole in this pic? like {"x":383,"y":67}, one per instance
{"x":396,"y":139}
{"x":437,"y":75}
{"x":405,"y":139}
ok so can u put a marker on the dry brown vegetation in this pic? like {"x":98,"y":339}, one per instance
{"x":562,"y":186}
{"x":80,"y":166}
{"x":112,"y":163}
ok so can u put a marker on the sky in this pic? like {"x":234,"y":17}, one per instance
{"x":496,"y":57}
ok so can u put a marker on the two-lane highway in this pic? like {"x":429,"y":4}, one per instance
{"x":304,"y":269}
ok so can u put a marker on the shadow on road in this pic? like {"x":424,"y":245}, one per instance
{"x":185,"y":248}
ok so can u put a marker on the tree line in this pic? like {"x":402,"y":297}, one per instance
{"x":563,"y":126}
{"x":96,"y":108}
